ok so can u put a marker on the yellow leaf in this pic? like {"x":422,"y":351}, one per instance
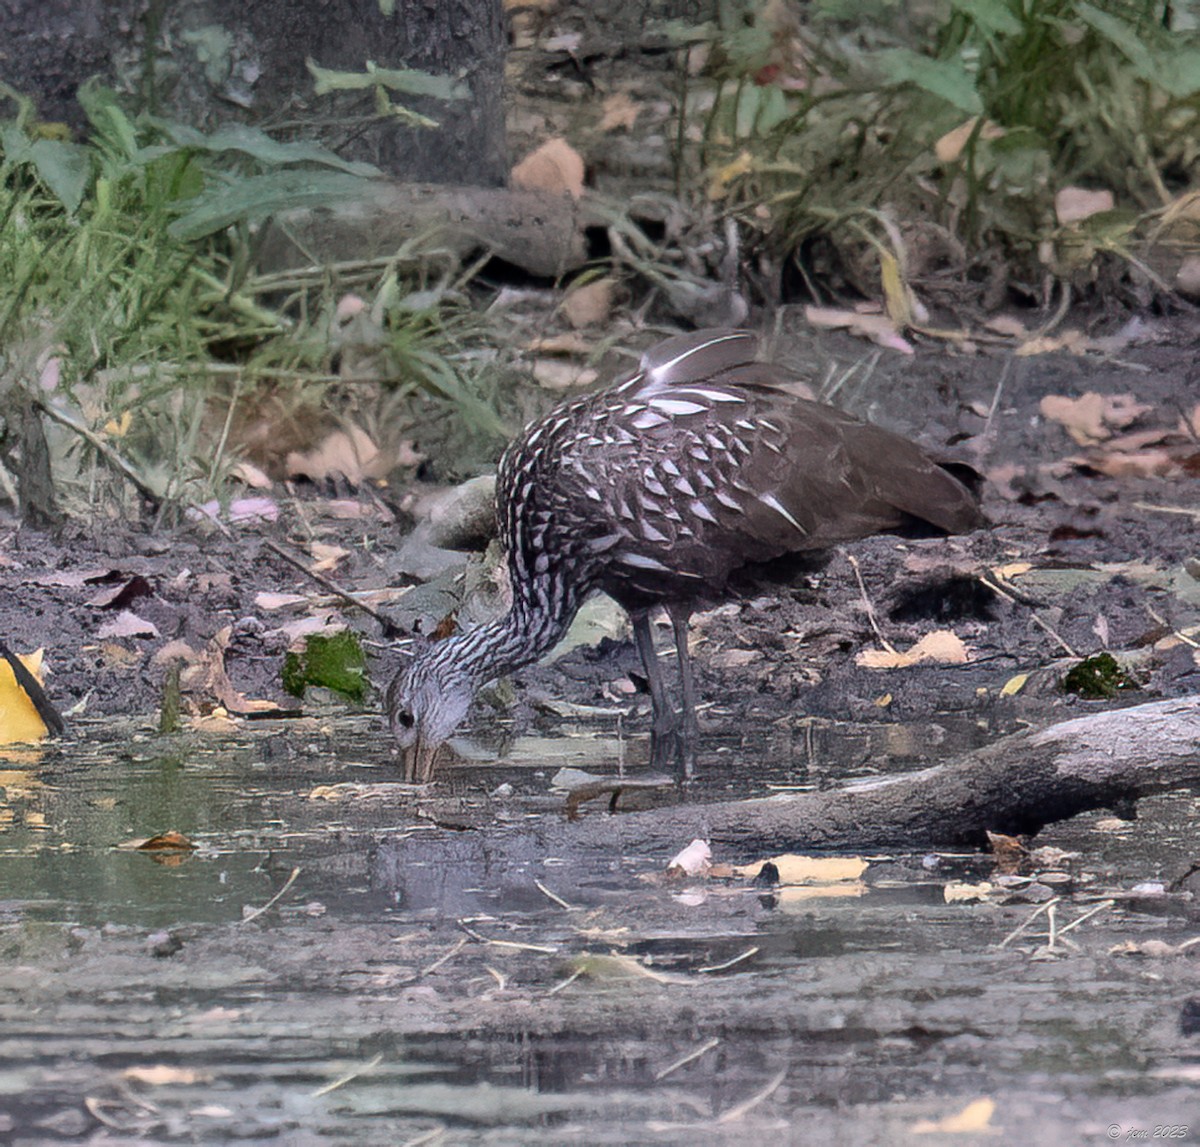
{"x":1014,"y":685}
{"x":724,"y":176}
{"x":119,"y":427}
{"x":976,"y":1116}
{"x":19,"y":719}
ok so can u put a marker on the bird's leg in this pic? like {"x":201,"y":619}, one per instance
{"x":665,"y":720}
{"x":680,"y":616}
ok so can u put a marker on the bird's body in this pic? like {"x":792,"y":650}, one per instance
{"x":658,"y":491}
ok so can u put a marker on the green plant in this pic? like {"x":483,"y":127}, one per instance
{"x":969,"y":114}
{"x":131,"y":312}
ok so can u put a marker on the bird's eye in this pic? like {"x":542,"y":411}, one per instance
{"x":405,"y":718}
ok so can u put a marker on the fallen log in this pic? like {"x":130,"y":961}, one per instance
{"x":539,"y":232}
{"x":1017,"y":785}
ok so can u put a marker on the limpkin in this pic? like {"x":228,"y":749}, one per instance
{"x":663,"y":490}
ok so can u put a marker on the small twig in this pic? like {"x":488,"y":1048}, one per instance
{"x":730,"y":963}
{"x":1021,"y":928}
{"x":430,"y":1136}
{"x":1033,"y":613}
{"x":867,"y":603}
{"x":736,"y":1112}
{"x":341,"y":1081}
{"x":500,"y":978}
{"x":389,"y":627}
{"x":1102,"y":906}
{"x":1184,"y":510}
{"x":1174,"y":632}
{"x":996,"y":394}
{"x":683,"y":1061}
{"x":115,"y":460}
{"x":565,"y":983}
{"x":274,"y":899}
{"x":553,"y":896}
{"x":542,"y":949}
{"x":446,"y":957}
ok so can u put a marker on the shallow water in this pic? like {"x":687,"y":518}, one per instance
{"x":421,"y":949}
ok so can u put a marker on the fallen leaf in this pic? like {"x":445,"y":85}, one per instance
{"x":269,"y":601}
{"x":950,"y":146}
{"x":170,"y":841}
{"x":20,"y":721}
{"x":1014,"y":685}
{"x":795,"y":869}
{"x":591,"y":304}
{"x":161,"y":1074}
{"x":959,"y":891}
{"x":555,"y":374}
{"x":127,"y":624}
{"x":326,"y":555}
{"x":975,"y":1117}
{"x":695,"y":860}
{"x":878,"y":328}
{"x":251,"y":475}
{"x":942,"y":646}
{"x":1070,"y":340}
{"x":619,"y":111}
{"x":1092,"y":417}
{"x":555,"y":167}
{"x":118,"y":597}
{"x":1007,"y":325}
{"x":348,"y":453}
{"x":1073,"y":204}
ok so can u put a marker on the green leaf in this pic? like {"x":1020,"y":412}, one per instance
{"x":946,"y":79}
{"x":993,"y":16}
{"x":261,"y":147}
{"x":258,"y":196}
{"x":65,"y":168}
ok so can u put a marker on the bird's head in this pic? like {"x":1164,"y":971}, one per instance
{"x":425,"y":702}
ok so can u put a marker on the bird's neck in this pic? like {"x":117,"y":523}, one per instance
{"x":540,"y":615}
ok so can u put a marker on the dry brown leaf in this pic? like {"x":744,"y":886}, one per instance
{"x":555,"y":374}
{"x":326,"y":557}
{"x":949,"y":147}
{"x":567,"y":343}
{"x":127,"y":624}
{"x":619,"y":111}
{"x":1072,"y":204}
{"x":795,"y":869}
{"x":160,"y":1074}
{"x":591,"y":304}
{"x":250,"y":474}
{"x":1007,"y":325}
{"x":1070,"y":340}
{"x":270,"y":601}
{"x":878,"y":328}
{"x":1159,"y":463}
{"x":975,"y":1117}
{"x":942,"y":646}
{"x":347,"y":453}
{"x":555,"y":167}
{"x":1092,"y":417}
